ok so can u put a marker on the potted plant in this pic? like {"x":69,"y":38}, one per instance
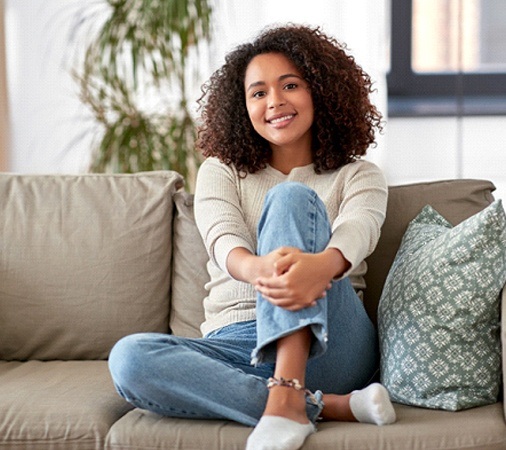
{"x":136,"y":78}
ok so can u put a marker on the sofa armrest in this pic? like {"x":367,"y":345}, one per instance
{"x":503,"y":343}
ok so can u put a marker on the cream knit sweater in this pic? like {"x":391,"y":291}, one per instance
{"x":228,"y":208}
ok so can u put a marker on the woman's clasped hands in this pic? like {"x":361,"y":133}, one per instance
{"x":295,"y":280}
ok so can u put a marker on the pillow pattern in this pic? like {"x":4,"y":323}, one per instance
{"x":438,"y":317}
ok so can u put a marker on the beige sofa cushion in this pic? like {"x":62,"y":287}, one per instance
{"x":84,"y":260}
{"x":416,"y":428}
{"x":57,"y":405}
{"x":189,"y":272}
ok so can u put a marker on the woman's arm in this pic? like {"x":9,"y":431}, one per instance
{"x":361,"y":212}
{"x":245,"y":266}
{"x":218,"y":213}
{"x":287,"y":277}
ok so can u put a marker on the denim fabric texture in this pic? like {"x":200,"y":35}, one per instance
{"x":214,"y":378}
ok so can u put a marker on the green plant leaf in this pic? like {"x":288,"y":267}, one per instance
{"x":143,"y":44}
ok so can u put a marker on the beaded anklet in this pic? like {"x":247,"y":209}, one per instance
{"x":292,"y":383}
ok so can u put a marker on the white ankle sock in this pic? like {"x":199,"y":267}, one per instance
{"x":372,"y":405}
{"x":278,"y":433}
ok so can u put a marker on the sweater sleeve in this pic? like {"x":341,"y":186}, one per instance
{"x":218,"y":212}
{"x":362,"y":209}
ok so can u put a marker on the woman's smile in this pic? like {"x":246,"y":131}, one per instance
{"x":282,"y":120}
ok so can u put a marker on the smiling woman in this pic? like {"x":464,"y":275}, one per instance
{"x":287,"y":210}
{"x":339,"y":134}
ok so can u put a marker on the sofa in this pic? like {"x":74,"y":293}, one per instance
{"x":87,"y":259}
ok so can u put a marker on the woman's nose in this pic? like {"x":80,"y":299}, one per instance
{"x":276,"y":99}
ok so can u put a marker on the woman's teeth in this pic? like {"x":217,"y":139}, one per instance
{"x":281,"y":119}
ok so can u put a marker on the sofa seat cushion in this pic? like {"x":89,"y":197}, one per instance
{"x":416,"y":428}
{"x":57,"y":405}
{"x":141,"y":429}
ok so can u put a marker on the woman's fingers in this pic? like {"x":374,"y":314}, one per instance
{"x":282,"y":296}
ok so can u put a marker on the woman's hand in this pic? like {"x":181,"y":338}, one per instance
{"x":300,"y":279}
{"x":245,"y":266}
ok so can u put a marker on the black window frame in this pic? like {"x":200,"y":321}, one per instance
{"x":415,"y":94}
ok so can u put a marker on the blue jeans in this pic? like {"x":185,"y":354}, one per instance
{"x":214,"y":378}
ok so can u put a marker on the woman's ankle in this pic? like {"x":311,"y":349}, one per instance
{"x":288,"y":403}
{"x":337,"y":408}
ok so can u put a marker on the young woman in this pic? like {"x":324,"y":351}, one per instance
{"x":288,"y":212}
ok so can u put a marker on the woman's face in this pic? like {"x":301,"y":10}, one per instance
{"x":279,"y":102}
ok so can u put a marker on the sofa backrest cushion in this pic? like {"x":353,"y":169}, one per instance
{"x":84,"y":260}
{"x":456,"y":200}
{"x":189,"y":270}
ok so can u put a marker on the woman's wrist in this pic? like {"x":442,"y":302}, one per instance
{"x":241,"y":265}
{"x":336,"y":262}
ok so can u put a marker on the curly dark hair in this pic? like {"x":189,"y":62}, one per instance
{"x":345,"y":120}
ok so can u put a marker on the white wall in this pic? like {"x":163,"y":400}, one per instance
{"x":425,"y":149}
{"x":46,"y":118}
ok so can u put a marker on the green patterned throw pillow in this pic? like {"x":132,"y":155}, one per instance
{"x":438,"y":315}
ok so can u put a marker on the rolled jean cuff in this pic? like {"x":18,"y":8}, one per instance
{"x":266,"y":349}
{"x":314,"y":406}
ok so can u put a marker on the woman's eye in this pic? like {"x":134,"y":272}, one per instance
{"x":258,"y":94}
{"x":290,"y":86}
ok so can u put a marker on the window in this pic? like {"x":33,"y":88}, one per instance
{"x":448,"y":57}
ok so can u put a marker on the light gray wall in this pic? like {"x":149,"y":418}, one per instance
{"x":46,"y":116}
{"x":424,"y":149}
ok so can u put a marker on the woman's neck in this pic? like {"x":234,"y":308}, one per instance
{"x":286,"y":161}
